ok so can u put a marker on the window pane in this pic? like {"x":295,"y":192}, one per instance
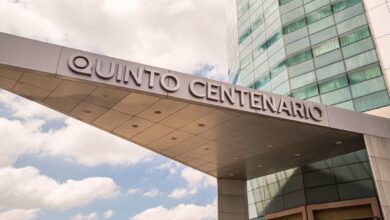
{"x":298,"y":58}
{"x":294,"y":26}
{"x":302,"y":80}
{"x":278,"y":69}
{"x":331,"y":70}
{"x":303,"y":67}
{"x":372,"y":101}
{"x":244,"y":35}
{"x":337,"y":96}
{"x":338,"y":6}
{"x":256,"y":23}
{"x":361,"y":60}
{"x":333,"y":84}
{"x":354,"y":36}
{"x":262,"y":80}
{"x":346,"y":105}
{"x":268,"y":43}
{"x":351,"y":24}
{"x":326,"y":47}
{"x":368,"y":87}
{"x":319,"y":14}
{"x":306,"y":92}
{"x":364,"y":74}
{"x":358,"y":47}
{"x":283,"y":2}
{"x":328,"y":58}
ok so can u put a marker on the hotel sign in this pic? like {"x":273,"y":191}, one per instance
{"x":136,"y":76}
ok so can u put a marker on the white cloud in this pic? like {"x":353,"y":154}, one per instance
{"x":195,"y":180}
{"x":153,"y":192}
{"x":174,"y":34}
{"x":74,"y":142}
{"x":180,"y":212}
{"x":26,"y":188}
{"x":132,"y":191}
{"x":90,"y":216}
{"x":108,"y":214}
{"x":170,"y":166}
{"x":20,"y":108}
{"x":19,"y":214}
{"x":182,"y":193}
{"x":26,"y":136}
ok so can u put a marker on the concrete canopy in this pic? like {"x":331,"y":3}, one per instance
{"x":224,"y":130}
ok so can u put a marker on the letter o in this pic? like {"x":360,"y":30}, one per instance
{"x":80,"y":64}
{"x":315,"y":113}
{"x":166,"y":86}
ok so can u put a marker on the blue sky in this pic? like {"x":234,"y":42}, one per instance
{"x":55,"y":167}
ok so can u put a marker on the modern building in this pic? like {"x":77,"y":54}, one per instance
{"x":334,"y":52}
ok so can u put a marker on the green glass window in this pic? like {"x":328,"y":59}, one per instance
{"x":305,"y":92}
{"x":365,"y":73}
{"x":303,"y":80}
{"x":343,"y":4}
{"x":326,"y":47}
{"x":243,"y":10}
{"x":268,"y":43}
{"x":283,"y":2}
{"x":372,"y":101}
{"x":256,"y":23}
{"x":278,"y":69}
{"x":319,"y":14}
{"x":244,"y":35}
{"x":294,"y":26}
{"x":354,"y":36}
{"x":272,"y":40}
{"x":262,"y":81}
{"x":299,"y":58}
{"x":333,"y":84}
{"x":337,"y":96}
{"x":367,"y":87}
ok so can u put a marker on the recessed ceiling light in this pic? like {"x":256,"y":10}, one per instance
{"x":269,"y":145}
{"x":201,"y":125}
{"x":339,"y":142}
{"x":297,"y":155}
{"x":157,"y":112}
{"x":135,"y":126}
{"x":87,"y":111}
{"x":231,"y":174}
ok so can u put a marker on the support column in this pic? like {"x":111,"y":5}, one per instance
{"x":232,"y":200}
{"x":379,"y":156}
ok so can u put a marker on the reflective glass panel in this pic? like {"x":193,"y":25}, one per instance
{"x":319,"y":14}
{"x":294,"y":26}
{"x":326,"y":47}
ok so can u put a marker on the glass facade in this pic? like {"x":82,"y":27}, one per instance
{"x":340,"y":178}
{"x":316,"y":50}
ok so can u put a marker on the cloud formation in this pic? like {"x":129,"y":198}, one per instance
{"x":195,"y":180}
{"x":24,"y":134}
{"x":180,"y":212}
{"x":26,"y":188}
{"x":19,"y":214}
{"x":179,"y":35}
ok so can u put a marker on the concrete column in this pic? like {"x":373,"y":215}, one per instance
{"x":232,"y":200}
{"x":379,"y":155}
